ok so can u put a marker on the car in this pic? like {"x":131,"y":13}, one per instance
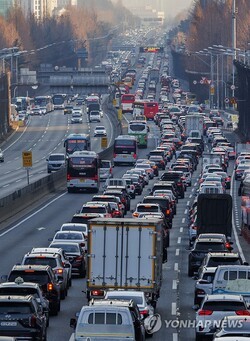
{"x":75,"y":253}
{"x":233,"y":328}
{"x":200,"y":248}
{"x":106,"y":170}
{"x":74,"y":236}
{"x":100,"y":131}
{"x":21,"y":288}
{"x":76,"y":117}
{"x":146,"y":208}
{"x":139,"y":297}
{"x":110,"y":198}
{"x":97,"y":207}
{"x":133,"y":308}
{"x":164,"y":204}
{"x":68,"y":109}
{"x":55,"y":162}
{"x":45,"y":277}
{"x":204,"y":283}
{"x":1,"y":156}
{"x":54,"y":260}
{"x":214,"y":308}
{"x":75,"y":227}
{"x":22,"y":316}
{"x":61,"y":254}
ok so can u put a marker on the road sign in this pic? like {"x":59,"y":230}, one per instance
{"x":226,"y":100}
{"x":27,"y":159}
{"x":194,"y":82}
{"x":104,"y":142}
{"x":232,"y":87}
{"x":114,"y":102}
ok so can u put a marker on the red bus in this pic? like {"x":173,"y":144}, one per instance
{"x":127,"y":102}
{"x":146,"y":108}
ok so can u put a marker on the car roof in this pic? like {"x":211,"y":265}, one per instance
{"x":223,"y":254}
{"x":223,"y":297}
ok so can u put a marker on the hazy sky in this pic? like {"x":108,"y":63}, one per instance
{"x":176,"y":6}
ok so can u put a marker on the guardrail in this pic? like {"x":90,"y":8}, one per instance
{"x":24,"y":197}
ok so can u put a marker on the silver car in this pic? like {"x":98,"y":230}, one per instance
{"x":1,"y":156}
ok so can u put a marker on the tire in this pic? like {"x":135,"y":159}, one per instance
{"x":70,"y":190}
{"x":190,"y":271}
{"x":198,"y":338}
{"x":82,"y":273}
{"x":63,"y":294}
{"x":70,"y":282}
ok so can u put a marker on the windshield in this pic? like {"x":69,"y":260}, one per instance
{"x":73,"y":145}
{"x":67,"y":247}
{"x":8,"y":308}
{"x":93,"y":209}
{"x":56,"y":158}
{"x":40,"y":277}
{"x":137,"y":127}
{"x":210,"y":247}
{"x":40,"y":261}
{"x":72,"y":236}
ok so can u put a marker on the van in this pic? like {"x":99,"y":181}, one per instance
{"x":105,"y":322}
{"x":232,"y":279}
{"x":94,"y":116}
{"x":55,"y":161}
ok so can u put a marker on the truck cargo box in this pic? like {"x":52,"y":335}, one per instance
{"x":214,"y":214}
{"x":125,"y":253}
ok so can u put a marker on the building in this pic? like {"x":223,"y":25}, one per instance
{"x":4,"y":6}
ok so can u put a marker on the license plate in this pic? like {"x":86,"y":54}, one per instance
{"x":125,"y":156}
{"x":82,"y":180}
{"x":9,"y":323}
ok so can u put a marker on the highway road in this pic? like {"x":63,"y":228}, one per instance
{"x":35,"y":229}
{"x":43,"y":135}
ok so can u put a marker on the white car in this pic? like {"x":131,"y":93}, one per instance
{"x":76,"y":117}
{"x":100,"y":131}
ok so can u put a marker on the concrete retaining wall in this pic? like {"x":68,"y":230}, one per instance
{"x":24,"y":197}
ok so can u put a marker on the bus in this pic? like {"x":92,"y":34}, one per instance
{"x":146,"y":108}
{"x":125,"y":150}
{"x":127,"y":102}
{"x":76,"y":142}
{"x":83,"y":171}
{"x":44,"y":102}
{"x":140,"y":130}
{"x":58,"y":101}
{"x":21,"y":103}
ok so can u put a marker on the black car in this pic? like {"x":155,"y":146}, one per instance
{"x":200,"y":249}
{"x":75,"y":254}
{"x":23,"y":317}
{"x":68,"y":109}
{"x":164,"y":205}
{"x":45,"y":277}
{"x":177,"y":177}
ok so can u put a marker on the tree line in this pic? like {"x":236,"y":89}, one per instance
{"x":86,"y":26}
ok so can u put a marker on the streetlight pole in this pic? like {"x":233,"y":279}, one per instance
{"x":234,"y":42}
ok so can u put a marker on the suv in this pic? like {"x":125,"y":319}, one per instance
{"x":45,"y":277}
{"x":94,"y":116}
{"x":164,"y":204}
{"x":200,"y":249}
{"x":97,"y":207}
{"x":21,"y":288}
{"x":75,"y":253}
{"x":55,"y":162}
{"x":133,"y":308}
{"x":214,"y":308}
{"x":68,"y":109}
{"x":177,"y":177}
{"x":106,"y":169}
{"x":203,"y":284}
{"x":22,"y":316}
{"x":53,"y":260}
{"x":60,"y":252}
{"x":213,"y":259}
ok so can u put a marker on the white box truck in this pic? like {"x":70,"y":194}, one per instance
{"x":125,"y":253}
{"x":194,"y":125}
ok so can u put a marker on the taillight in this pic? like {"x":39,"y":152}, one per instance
{"x":228,"y":245}
{"x":78,"y":258}
{"x":200,"y":292}
{"x":114,"y":155}
{"x":134,"y":156}
{"x":205,"y":312}
{"x":242,"y":312}
{"x":144,"y":312}
{"x":97,"y":293}
{"x":68,"y":177}
{"x":59,"y":271}
{"x":167,"y":212}
{"x":49,"y":286}
{"x":95,"y":178}
{"x":136,"y":214}
{"x":32,"y":321}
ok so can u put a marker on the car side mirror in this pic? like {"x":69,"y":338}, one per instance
{"x":73,"y":323}
{"x":4,"y":278}
{"x":196,"y":307}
